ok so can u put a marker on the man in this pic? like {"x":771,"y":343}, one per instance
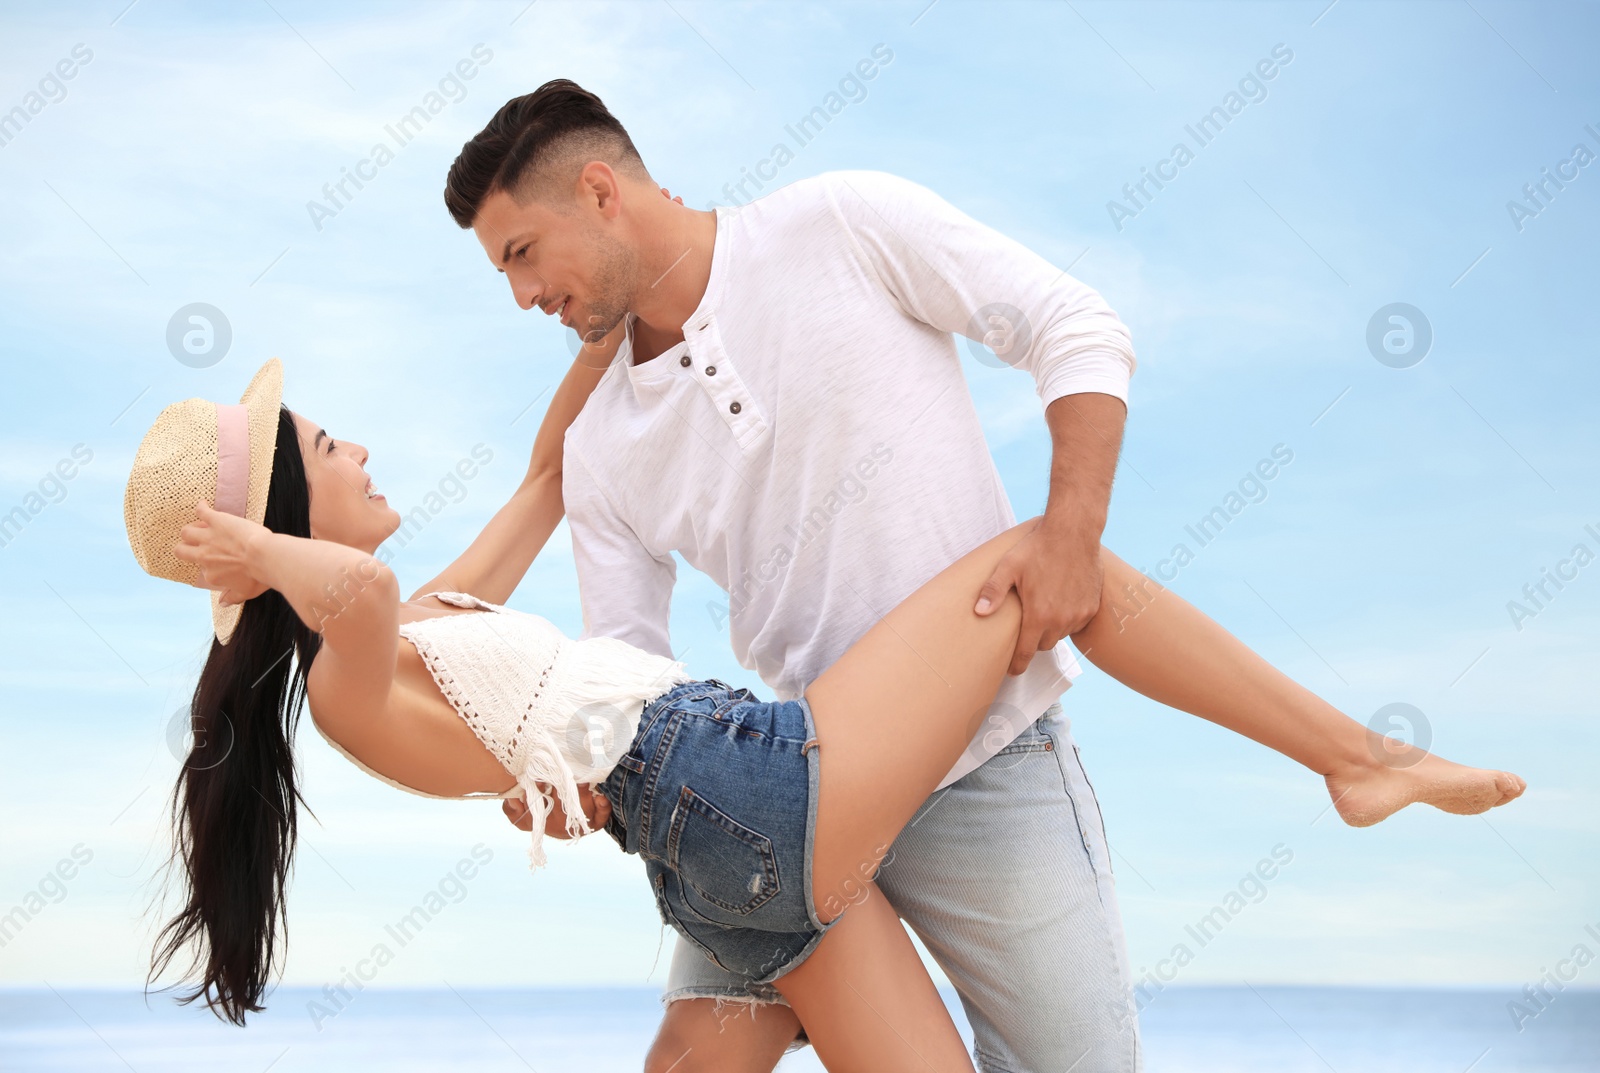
{"x":788,"y":413}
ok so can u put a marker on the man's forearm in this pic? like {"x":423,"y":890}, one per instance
{"x":1056,"y":568}
{"x":1086,"y":433}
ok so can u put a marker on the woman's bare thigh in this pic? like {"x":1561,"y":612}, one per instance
{"x":895,"y":712}
{"x":867,"y":1002}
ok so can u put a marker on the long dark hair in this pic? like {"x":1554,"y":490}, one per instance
{"x":234,"y":806}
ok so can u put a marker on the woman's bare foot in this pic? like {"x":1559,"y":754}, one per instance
{"x":1401,"y":774}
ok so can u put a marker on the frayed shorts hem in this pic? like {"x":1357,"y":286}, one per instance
{"x":755,"y":994}
{"x":751,"y":995}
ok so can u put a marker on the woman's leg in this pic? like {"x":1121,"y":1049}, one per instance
{"x":1156,"y":643}
{"x":868,"y":1003}
{"x":894,"y":713}
{"x":697,"y":1037}
{"x":897,"y":709}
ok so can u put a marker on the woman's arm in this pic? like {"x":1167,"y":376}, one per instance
{"x":353,"y":601}
{"x":343,"y":593}
{"x":493,"y":565}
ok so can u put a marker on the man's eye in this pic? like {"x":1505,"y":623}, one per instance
{"x":331,"y":445}
{"x":523,"y":252}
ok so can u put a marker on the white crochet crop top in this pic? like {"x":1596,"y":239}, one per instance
{"x":551,"y":709}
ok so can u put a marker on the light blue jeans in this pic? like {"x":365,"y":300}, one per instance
{"x":1005,"y":876}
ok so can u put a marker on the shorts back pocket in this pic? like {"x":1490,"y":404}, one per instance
{"x":728,"y":870}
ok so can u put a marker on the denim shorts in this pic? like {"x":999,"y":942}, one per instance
{"x":718,"y":795}
{"x":1038,"y":958}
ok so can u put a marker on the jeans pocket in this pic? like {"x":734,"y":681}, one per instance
{"x":728,"y":871}
{"x":700,"y":934}
{"x":1033,"y":739}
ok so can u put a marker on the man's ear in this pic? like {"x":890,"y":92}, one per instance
{"x":598,"y":187}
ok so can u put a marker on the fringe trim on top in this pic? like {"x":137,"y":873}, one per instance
{"x":601,"y":684}
{"x":587,"y":688}
{"x":547,"y":765}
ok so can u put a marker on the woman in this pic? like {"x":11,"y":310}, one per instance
{"x":757,"y":849}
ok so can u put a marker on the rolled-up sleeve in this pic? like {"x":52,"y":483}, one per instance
{"x":949,"y":271}
{"x":626,"y":592}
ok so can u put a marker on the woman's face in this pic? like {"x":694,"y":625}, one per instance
{"x":345,"y":507}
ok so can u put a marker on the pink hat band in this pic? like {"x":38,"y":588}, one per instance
{"x":233,"y":459}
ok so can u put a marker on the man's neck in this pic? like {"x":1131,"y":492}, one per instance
{"x":675,"y":266}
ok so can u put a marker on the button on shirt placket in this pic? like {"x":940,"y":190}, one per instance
{"x":710,"y":365}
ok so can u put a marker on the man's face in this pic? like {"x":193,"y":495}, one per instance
{"x":569,"y":263}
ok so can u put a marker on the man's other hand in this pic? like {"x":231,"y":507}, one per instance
{"x":1058,"y":577}
{"x":596,"y":809}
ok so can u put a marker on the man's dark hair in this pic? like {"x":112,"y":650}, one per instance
{"x":533,"y":140}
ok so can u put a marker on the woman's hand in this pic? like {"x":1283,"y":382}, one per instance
{"x":596,"y":809}
{"x":221,"y":546}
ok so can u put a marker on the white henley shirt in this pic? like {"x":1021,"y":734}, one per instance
{"x":812,"y":445}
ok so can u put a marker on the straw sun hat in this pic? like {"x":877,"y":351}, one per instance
{"x":202,"y":450}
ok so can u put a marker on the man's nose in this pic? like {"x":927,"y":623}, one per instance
{"x":527,"y":288}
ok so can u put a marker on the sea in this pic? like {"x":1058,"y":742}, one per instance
{"x":1192,"y":1029}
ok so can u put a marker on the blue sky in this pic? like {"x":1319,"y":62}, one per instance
{"x":1374,"y":167}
